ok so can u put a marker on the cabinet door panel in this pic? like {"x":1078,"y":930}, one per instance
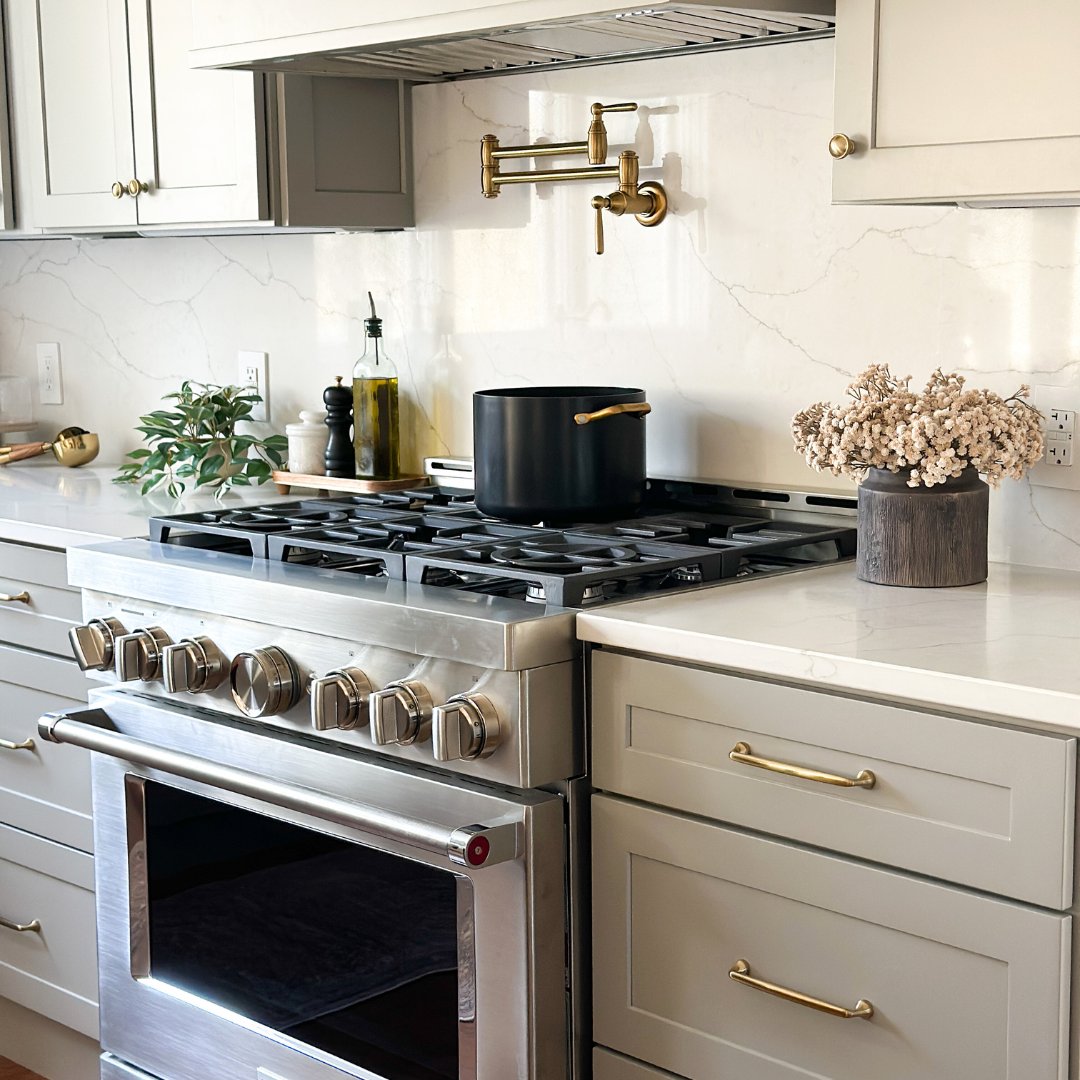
{"x":961,"y":985}
{"x":69,"y":67}
{"x":199,"y":135}
{"x":959,"y":101}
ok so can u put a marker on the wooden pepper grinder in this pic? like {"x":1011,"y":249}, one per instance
{"x":340,"y":456}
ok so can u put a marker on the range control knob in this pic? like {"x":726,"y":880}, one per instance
{"x":265,"y":682}
{"x":401,"y":713}
{"x":465,"y":728}
{"x":138,"y":654}
{"x":196,"y":665}
{"x":340,"y":700}
{"x":94,"y":643}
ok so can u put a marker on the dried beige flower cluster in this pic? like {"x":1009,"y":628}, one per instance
{"x":933,"y":435}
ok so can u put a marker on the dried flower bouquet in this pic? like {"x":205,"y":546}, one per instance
{"x":932,"y":436}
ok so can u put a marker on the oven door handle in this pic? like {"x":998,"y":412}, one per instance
{"x":468,"y":845}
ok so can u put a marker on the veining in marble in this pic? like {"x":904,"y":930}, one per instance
{"x":754,"y":298}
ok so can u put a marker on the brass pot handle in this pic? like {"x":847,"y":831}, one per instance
{"x":740,"y":972}
{"x":15,"y":598}
{"x":26,"y":744}
{"x":637,"y":408}
{"x":741,"y":755}
{"x":34,"y":925}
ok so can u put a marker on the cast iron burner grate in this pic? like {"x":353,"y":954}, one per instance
{"x":412,"y":500}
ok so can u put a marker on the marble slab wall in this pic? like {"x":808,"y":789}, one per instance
{"x":754,"y":298}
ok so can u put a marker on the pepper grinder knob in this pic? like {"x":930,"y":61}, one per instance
{"x":340,"y":455}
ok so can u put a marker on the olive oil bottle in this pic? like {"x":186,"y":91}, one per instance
{"x":375,"y":407}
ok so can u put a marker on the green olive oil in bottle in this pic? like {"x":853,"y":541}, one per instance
{"x":375,"y":407}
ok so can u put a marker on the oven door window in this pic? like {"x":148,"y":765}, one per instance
{"x":348,"y":949}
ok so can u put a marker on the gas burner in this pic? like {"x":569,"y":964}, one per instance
{"x":687,"y":575}
{"x":535,"y":593}
{"x":560,"y":557}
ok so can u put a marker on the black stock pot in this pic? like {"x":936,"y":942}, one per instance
{"x":559,"y":453}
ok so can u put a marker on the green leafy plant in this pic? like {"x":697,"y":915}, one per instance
{"x":195,"y":440}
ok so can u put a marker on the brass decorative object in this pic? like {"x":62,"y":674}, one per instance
{"x":647,"y":202}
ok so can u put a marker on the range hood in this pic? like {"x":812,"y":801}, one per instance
{"x":421,"y":41}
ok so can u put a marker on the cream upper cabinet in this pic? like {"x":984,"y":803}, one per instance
{"x":957,"y":101}
{"x":102,"y":96}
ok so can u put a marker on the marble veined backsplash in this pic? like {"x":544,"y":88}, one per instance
{"x":753,"y":299}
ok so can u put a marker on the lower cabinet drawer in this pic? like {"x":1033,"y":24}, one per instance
{"x":609,"y":1066}
{"x":961,"y":985}
{"x":51,"y":970}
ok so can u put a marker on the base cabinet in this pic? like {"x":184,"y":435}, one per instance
{"x":960,"y":985}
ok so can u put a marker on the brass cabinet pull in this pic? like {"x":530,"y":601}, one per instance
{"x":33,"y":926}
{"x":638,"y":408}
{"x":841,"y":146}
{"x":137,"y":187}
{"x":741,"y":754}
{"x":15,"y":598}
{"x":740,"y":972}
{"x":118,"y":190}
{"x":26,"y":744}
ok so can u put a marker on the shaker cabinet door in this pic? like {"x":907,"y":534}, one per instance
{"x":200,"y":143}
{"x":71,"y":102}
{"x":958,"y":101}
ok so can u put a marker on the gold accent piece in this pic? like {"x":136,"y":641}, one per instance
{"x":26,"y":744}
{"x":741,"y":755}
{"x":34,"y":925}
{"x":597,"y":146}
{"x":635,"y":408}
{"x":15,"y":598}
{"x":118,"y":190}
{"x":540,"y":150}
{"x":840,"y":146}
{"x":544,"y":176}
{"x":137,"y":187}
{"x":740,"y":972}
{"x":647,"y":202}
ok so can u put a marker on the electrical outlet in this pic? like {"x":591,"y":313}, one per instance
{"x":255,"y":372}
{"x":50,"y":383}
{"x":1059,"y":406}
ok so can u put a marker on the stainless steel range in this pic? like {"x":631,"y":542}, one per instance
{"x":340,"y":780}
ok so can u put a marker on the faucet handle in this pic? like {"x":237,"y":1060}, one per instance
{"x":598,"y":144}
{"x":600,"y":203}
{"x":623,"y":106}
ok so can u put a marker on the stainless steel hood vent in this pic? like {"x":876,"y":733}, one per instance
{"x":666,"y":29}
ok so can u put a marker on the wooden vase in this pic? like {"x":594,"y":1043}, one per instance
{"x":926,"y":537}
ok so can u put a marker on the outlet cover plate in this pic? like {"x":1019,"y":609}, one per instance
{"x":1048,"y":399}
{"x":50,"y":383}
{"x":254,"y":370}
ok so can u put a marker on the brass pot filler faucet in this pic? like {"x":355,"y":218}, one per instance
{"x":647,"y":202}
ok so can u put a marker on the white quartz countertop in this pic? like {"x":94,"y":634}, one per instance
{"x":50,"y":505}
{"x":1009,"y":647}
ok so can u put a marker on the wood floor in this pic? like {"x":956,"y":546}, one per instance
{"x":10,"y":1071}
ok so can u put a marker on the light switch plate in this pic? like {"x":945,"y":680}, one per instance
{"x":1059,"y":467}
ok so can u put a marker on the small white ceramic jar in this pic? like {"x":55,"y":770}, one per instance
{"x":307,"y":443}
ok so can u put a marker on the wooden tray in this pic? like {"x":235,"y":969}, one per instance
{"x":286,"y":481}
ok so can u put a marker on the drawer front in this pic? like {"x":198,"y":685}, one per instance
{"x":609,"y":1066}
{"x":52,"y":971}
{"x":33,"y":565}
{"x":43,"y":622}
{"x":959,"y":800}
{"x":44,"y":789}
{"x":961,"y":985}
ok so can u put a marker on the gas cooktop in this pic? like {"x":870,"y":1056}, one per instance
{"x":687,"y":534}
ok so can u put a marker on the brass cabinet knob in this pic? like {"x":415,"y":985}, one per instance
{"x":118,"y":190}
{"x":840,"y":146}
{"x":136,"y":187}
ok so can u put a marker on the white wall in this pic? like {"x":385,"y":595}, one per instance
{"x":754,"y":298}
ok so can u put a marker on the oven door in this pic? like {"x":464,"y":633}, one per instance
{"x":269,"y":909}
